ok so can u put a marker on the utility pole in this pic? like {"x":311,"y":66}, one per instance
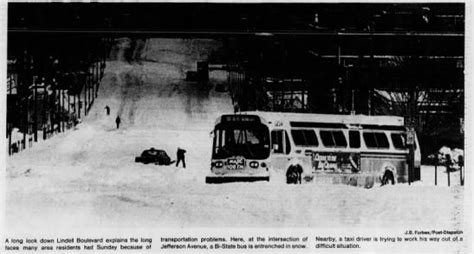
{"x":89,"y":90}
{"x":35,"y":108}
{"x":53,"y":108}
{"x":58,"y":107}
{"x":79,"y":106}
{"x":9,"y":127}
{"x":96,"y":88}
{"x":85,"y":97}
{"x":411,"y":134}
{"x":68,"y":109}
{"x":9,"y":133}
{"x":371,"y":76}
{"x":26,"y":90}
{"x":94,"y":79}
{"x":336,"y":88}
{"x":62,"y":109}
{"x":44,"y":82}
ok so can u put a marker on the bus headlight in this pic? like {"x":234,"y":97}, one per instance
{"x":263,"y":165}
{"x":218,"y":164}
{"x":253,"y":164}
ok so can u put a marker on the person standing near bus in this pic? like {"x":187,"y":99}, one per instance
{"x":294,"y":172}
{"x":180,"y":157}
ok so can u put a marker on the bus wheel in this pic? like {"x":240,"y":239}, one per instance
{"x":293,"y":174}
{"x":388,"y":177}
{"x":369,"y":182}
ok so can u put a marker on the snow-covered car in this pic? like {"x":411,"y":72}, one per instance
{"x":445,"y":155}
{"x":153,"y":155}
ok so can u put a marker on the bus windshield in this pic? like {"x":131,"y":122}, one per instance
{"x":251,"y":141}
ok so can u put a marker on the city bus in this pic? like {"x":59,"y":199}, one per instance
{"x":348,"y":149}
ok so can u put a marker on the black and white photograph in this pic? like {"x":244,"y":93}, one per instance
{"x":236,"y":115}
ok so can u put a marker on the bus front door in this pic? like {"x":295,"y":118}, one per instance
{"x":280,"y":150}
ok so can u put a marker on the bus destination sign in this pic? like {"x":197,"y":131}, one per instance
{"x":240,"y":118}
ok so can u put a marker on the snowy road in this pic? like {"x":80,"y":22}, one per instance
{"x":88,"y":178}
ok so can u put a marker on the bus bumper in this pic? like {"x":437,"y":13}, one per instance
{"x":229,"y":179}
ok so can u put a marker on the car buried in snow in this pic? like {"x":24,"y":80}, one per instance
{"x":156,"y":156}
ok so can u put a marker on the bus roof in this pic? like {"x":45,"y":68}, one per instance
{"x":328,"y":118}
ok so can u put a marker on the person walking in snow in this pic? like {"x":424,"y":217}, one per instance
{"x":117,"y":121}
{"x":107,"y":110}
{"x":293,"y":175}
{"x":180,"y":157}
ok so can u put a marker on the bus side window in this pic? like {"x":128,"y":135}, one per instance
{"x":277,"y":141}
{"x":327,"y":139}
{"x":304,"y":137}
{"x":382,"y":140}
{"x":333,"y":138}
{"x":339,"y":138}
{"x":219,"y":140}
{"x":354,"y":139}
{"x":376,"y":140}
{"x":399,"y":140}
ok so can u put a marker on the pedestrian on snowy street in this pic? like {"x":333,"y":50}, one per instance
{"x":117,"y":121}
{"x":180,"y":157}
{"x":293,"y":175}
{"x":107,"y":110}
